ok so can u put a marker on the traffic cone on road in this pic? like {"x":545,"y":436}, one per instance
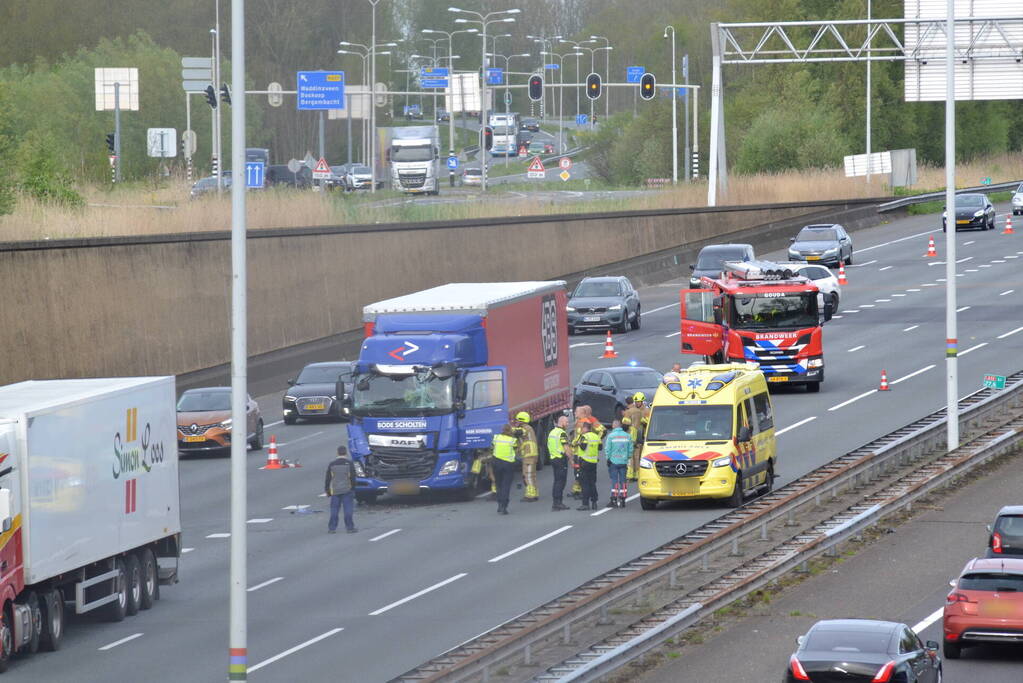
{"x":841,"y":273}
{"x":931,"y":251}
{"x":609,"y":347}
{"x":272,"y":462}
{"x":884,"y":381}
{"x":1008,"y":225}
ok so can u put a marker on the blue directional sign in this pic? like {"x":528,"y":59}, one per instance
{"x":433,"y":82}
{"x":433,"y":72}
{"x":255,"y":175}
{"x":452,"y":163}
{"x":552,"y":67}
{"x":582,"y":119}
{"x":495,"y":76}
{"x":319,"y":90}
{"x":634,"y":74}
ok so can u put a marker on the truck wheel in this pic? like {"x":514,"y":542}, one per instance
{"x":647,"y":503}
{"x":53,"y":620}
{"x":6,"y":640}
{"x":36,"y":618}
{"x":115,"y":611}
{"x":150,"y":580}
{"x":134,"y":571}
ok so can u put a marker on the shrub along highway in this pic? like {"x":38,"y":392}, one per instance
{"x":425,"y":574}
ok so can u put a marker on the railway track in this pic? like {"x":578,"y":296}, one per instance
{"x":786,"y":527}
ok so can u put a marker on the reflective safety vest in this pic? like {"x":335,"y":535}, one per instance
{"x":504,"y":447}
{"x":590,"y":447}
{"x":556,"y":442}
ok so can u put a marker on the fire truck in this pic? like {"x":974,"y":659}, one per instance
{"x":758,"y":312}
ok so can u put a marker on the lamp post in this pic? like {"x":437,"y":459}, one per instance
{"x":484,"y":20}
{"x":607,"y":69}
{"x":593,"y":67}
{"x":546,"y":45}
{"x":507,"y":100}
{"x":367,"y":71}
{"x":561,"y":102}
{"x":451,"y":115}
{"x":575,"y":45}
{"x":674,"y":109}
{"x":348,"y":102}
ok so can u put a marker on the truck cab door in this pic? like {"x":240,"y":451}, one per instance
{"x":701,"y":333}
{"x":486,"y":407}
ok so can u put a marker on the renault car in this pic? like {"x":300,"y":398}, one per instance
{"x":205,"y":422}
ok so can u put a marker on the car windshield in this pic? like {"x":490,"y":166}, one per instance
{"x":774,"y":310}
{"x":637,"y":379}
{"x":846,"y":641}
{"x":690,"y":423}
{"x":715,"y":260}
{"x":402,"y":153}
{"x":817,"y":235}
{"x":970,"y":200}
{"x":598,"y":289}
{"x":991,"y":581}
{"x":323,"y":374}
{"x":422,"y":393}
{"x":360,"y":169}
{"x":202,"y":401}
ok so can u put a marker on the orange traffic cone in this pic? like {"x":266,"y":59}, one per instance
{"x":609,"y":347}
{"x":272,"y":462}
{"x":841,"y":273}
{"x":931,"y":251}
{"x":1008,"y":225}
{"x":884,"y":381}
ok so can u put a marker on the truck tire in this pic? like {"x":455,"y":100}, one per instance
{"x":134,"y":572}
{"x":115,"y":611}
{"x":150,"y":579}
{"x":6,"y":639}
{"x":36,"y":618}
{"x":53,"y":620}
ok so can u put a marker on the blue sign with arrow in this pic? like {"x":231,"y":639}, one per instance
{"x":495,"y":76}
{"x":582,"y":119}
{"x":319,"y":90}
{"x":255,"y":174}
{"x":452,"y":163}
{"x":634,"y":74}
{"x":552,"y":67}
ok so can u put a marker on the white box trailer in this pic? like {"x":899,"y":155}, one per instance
{"x":88,"y":502}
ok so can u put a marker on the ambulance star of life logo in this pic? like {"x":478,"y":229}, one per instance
{"x":694,"y":383}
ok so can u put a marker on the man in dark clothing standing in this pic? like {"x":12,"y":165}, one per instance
{"x":340,"y":486}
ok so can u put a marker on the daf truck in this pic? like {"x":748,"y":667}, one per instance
{"x":413,"y":156}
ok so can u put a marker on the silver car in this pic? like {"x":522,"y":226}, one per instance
{"x":822,"y":276}
{"x":1017,"y":202}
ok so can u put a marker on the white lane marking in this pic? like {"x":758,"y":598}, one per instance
{"x":929,"y":284}
{"x":852,"y":311}
{"x":966,"y":244}
{"x":836,"y":317}
{"x":882,"y":301}
{"x":914,"y":289}
{"x":186,"y":550}
{"x":901,"y":239}
{"x":970,"y":270}
{"x":857,"y":348}
{"x":972,"y":348}
{"x":264,"y":584}
{"x":634,"y":496}
{"x":935,"y":263}
{"x":960,"y":275}
{"x":294,"y":507}
{"x":1010,"y":333}
{"x":964,"y":259}
{"x":484,"y":494}
{"x":654,"y":310}
{"x":984,"y":265}
{"x":928,"y":620}
{"x":577,"y":344}
{"x":384,"y":535}
{"x":865,"y":263}
{"x":897,"y":295}
{"x":961,"y":309}
{"x":122,"y":641}
{"x":843,"y":404}
{"x":997,"y":260}
{"x":601,"y":511}
{"x":673,"y":334}
{"x":941,"y":279}
{"x":531,"y":543}
{"x":866,"y":305}
{"x":881,"y":270}
{"x":1012,"y":256}
{"x":219,"y":535}
{"x":295,"y":649}
{"x":260,"y":520}
{"x":910,"y":328}
{"x":802,"y":422}
{"x":273,"y":424}
{"x":912,"y":374}
{"x":421,"y":593}
{"x":1008,"y":291}
{"x":294,"y":441}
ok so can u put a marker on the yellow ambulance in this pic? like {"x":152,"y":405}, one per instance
{"x":710,"y":435}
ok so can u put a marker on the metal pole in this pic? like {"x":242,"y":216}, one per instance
{"x":674,"y":113}
{"x":372,"y":101}
{"x":238,"y":640}
{"x":348,"y":124}
{"x":696,"y":133}
{"x":483,"y":108}
{"x":869,"y":8}
{"x":321,"y":135}
{"x":716,"y":116}
{"x":578,"y":81}
{"x":951,"y":342}
{"x":561,"y":106}
{"x":450,"y":106}
{"x":117,"y":131}
{"x":688,"y":155}
{"x":216,"y":94}
{"x":607,"y":76}
{"x":188,"y":126}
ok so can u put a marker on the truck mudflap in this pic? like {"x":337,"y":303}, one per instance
{"x":167,"y":574}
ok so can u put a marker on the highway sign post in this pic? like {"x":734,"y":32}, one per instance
{"x":536,"y":169}
{"x":255,"y":174}
{"x":565,"y":175}
{"x":452,"y":162}
{"x":162,"y":142}
{"x":433,"y":77}
{"x":582,"y":119}
{"x":319,"y":90}
{"x":994,"y":381}
{"x":565,"y":163}
{"x":495,"y":76}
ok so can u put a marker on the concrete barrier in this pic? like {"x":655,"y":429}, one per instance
{"x":160,"y":305}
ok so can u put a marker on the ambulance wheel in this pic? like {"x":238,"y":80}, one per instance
{"x":647,"y":503}
{"x":769,"y":481}
{"x":150,"y":579}
{"x":735,"y":500}
{"x":134,"y":592}
{"x":813,"y":387}
{"x":53,"y":620}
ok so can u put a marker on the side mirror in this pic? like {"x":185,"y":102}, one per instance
{"x":829,"y":310}
{"x":339,"y":389}
{"x":745,"y":434}
{"x":792,"y":239}
{"x":952,"y":583}
{"x":931,"y":645}
{"x":692,"y":266}
{"x":989,"y":528}
{"x":291,"y":382}
{"x":459,"y":407}
{"x":800,"y":640}
{"x":717,"y":315}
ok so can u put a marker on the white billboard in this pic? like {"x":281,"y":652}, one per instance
{"x":464,"y":93}
{"x":128,"y":90}
{"x":358,"y":104}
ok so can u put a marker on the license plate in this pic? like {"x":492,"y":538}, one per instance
{"x":194,"y":439}
{"x":591,"y":319}
{"x":997,"y":608}
{"x":813,"y":258}
{"x":963,"y":222}
{"x":778,"y":378}
{"x":314,"y":406}
{"x":679,"y":494}
{"x":403,"y":488}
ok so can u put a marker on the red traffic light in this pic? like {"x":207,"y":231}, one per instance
{"x":488,"y":138}
{"x":647,"y":86}
{"x":536,"y":87}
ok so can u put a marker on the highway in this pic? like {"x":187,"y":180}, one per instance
{"x":424,"y":575}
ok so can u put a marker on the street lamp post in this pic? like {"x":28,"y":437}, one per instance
{"x":575,"y":45}
{"x":348,"y":101}
{"x":592,"y":70}
{"x":607,"y":69}
{"x":366,"y":71}
{"x":561,"y":102}
{"x":674,"y":109}
{"x":451,"y":75}
{"x":507,"y":99}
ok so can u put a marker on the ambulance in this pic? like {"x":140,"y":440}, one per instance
{"x":710,"y":436}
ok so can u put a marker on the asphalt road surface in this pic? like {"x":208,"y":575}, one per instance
{"x":425,"y":574}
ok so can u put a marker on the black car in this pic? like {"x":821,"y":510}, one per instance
{"x":532,"y":125}
{"x":1006,"y":533}
{"x":443,"y":116}
{"x":972,"y":211}
{"x":852,"y":650}
{"x":600,"y":303}
{"x":710,"y":262}
{"x":605,"y":390}
{"x":826,"y":243}
{"x":313,"y":392}
{"x":279,"y":175}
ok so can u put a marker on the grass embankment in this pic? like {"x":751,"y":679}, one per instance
{"x":135,"y":209}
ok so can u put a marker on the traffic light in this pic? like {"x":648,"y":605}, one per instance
{"x":593,"y":86}
{"x":536,"y":87}
{"x":110,"y":142}
{"x":211,"y":97}
{"x":488,"y":138}
{"x":225,"y":94}
{"x":647,"y":86}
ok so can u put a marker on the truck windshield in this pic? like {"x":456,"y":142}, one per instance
{"x":403,"y":153}
{"x":690,"y":423}
{"x":402,"y":395}
{"x":505,"y":130}
{"x":774,"y":311}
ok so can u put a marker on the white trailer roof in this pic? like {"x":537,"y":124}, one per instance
{"x":475,"y":297}
{"x":36,"y":395}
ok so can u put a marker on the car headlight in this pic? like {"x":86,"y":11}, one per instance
{"x":832,"y":250}
{"x":359,"y":470}
{"x":570,"y":309}
{"x":226,"y":424}
{"x":793,"y":252}
{"x":723,"y":462}
{"x":289,"y":398}
{"x":978,"y":214}
{"x":616,"y":307}
{"x":645,"y":464}
{"x":450,"y":467}
{"x":815,"y":363}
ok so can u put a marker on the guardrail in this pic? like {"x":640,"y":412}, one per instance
{"x":931,"y":196}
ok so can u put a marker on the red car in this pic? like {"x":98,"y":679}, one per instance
{"x":985,"y":605}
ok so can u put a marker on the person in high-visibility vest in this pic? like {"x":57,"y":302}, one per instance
{"x":503,"y":447}
{"x":583,"y":415}
{"x":638,"y":415}
{"x":618,"y":450}
{"x":588,"y":454}
{"x":560,"y":452}
{"x":528,"y":451}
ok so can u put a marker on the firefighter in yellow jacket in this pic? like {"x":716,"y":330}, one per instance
{"x":528,"y":452}
{"x":638,"y":414}
{"x":583,"y":415}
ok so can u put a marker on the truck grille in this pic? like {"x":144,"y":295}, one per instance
{"x":400,"y":463}
{"x":412,"y":179}
{"x":692,"y":468}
